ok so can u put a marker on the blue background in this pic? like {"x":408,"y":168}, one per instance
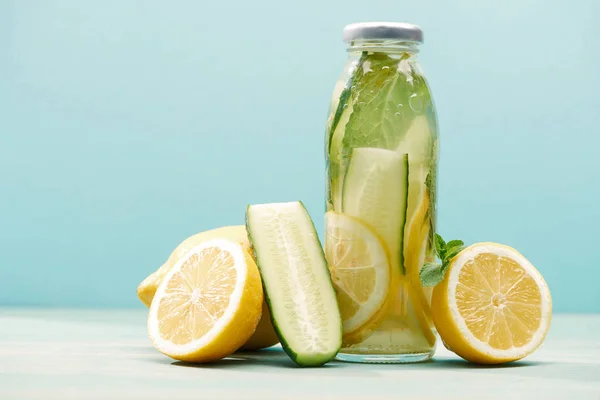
{"x":126,"y":126}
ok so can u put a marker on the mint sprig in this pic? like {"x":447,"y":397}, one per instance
{"x":381,"y":96}
{"x":433,"y":273}
{"x":430,"y":183}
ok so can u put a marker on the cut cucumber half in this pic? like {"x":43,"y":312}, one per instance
{"x":296,"y":281}
{"x":376,"y":192}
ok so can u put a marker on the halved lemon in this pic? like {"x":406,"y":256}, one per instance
{"x":208,"y":304}
{"x":361,"y":274}
{"x":147,"y":288}
{"x":493,"y":306}
{"x":264,"y":336}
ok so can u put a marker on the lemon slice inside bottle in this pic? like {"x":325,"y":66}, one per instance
{"x":361,"y":274}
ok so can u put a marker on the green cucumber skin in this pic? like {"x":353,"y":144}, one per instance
{"x":302,"y":360}
{"x":403,"y":233}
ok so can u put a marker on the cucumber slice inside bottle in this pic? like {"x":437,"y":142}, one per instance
{"x":337,"y":161}
{"x":376,"y":192}
{"x":296,"y":281}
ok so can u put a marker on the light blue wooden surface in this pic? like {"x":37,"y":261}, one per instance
{"x":105,"y":354}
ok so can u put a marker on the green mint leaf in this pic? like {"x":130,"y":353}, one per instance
{"x":431,"y":184}
{"x":431,"y":274}
{"x":381,"y":99}
{"x":440,"y":246}
{"x":450,"y":254}
{"x":346,"y":93}
{"x":454,"y":243}
{"x":453,"y":247}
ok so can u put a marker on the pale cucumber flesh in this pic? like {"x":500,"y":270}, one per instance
{"x":376,"y":192}
{"x":296,"y":281}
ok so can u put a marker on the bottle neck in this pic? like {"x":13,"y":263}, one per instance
{"x":383,"y":46}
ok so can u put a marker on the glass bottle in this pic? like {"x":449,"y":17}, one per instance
{"x":381,"y":150}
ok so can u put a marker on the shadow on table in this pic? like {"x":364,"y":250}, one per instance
{"x":462,"y":364}
{"x":273,"y":357}
{"x":276,"y":358}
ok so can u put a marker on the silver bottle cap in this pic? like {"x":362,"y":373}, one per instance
{"x":383,"y":30}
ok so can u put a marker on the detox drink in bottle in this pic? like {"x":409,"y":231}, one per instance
{"x":382,"y":149}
